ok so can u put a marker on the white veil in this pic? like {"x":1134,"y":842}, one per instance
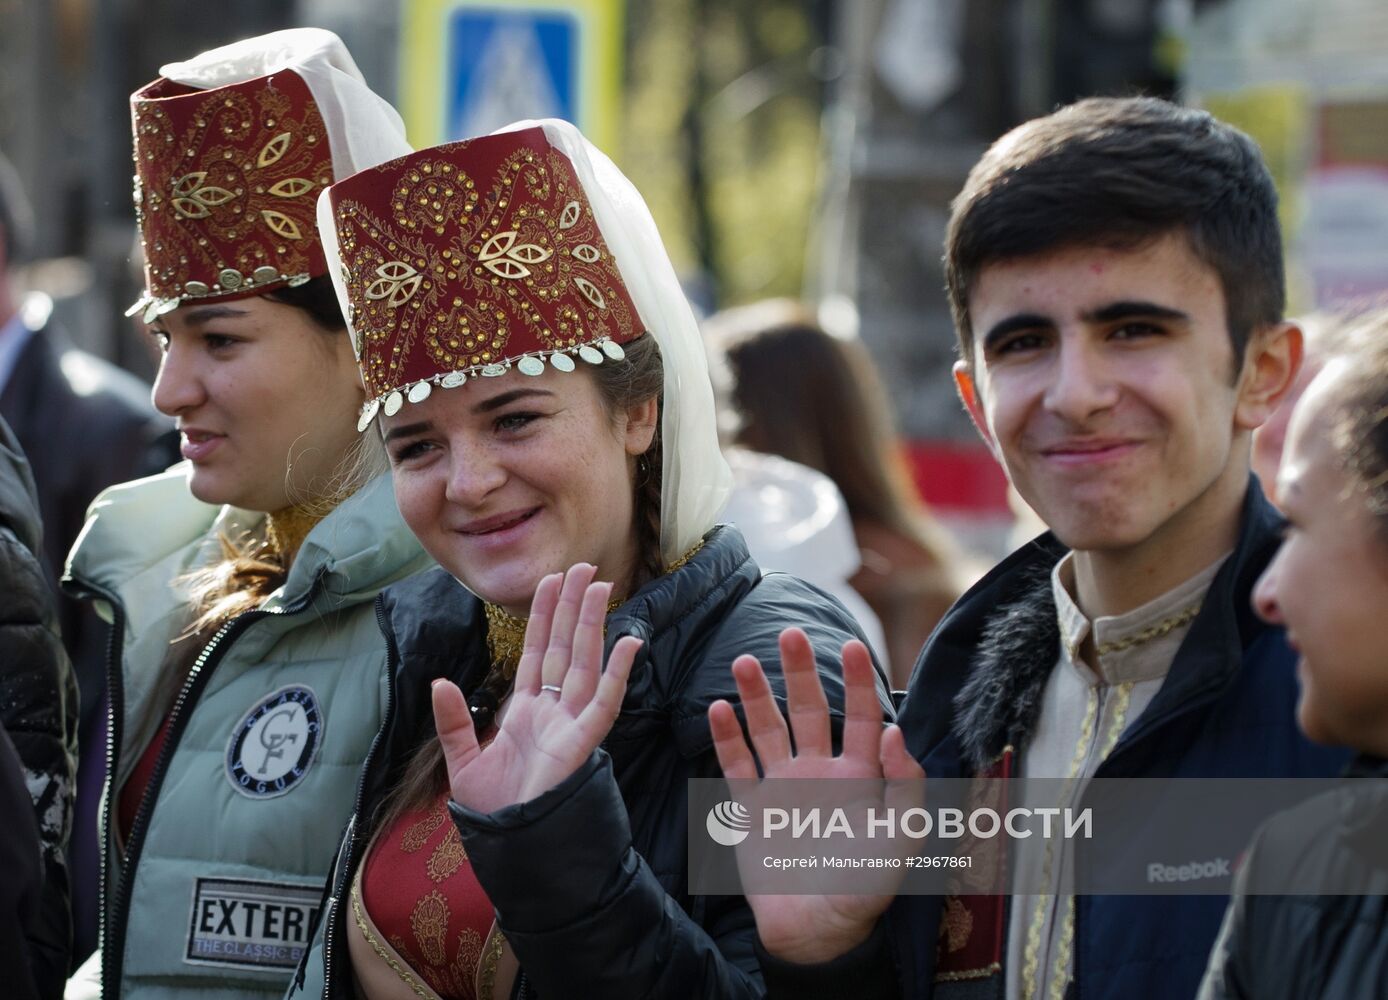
{"x":363,"y":129}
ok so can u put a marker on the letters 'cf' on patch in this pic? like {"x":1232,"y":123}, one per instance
{"x":274,"y":745}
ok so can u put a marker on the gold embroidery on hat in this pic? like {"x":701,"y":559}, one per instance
{"x":195,"y":200}
{"x":282,"y":224}
{"x":398,"y":281}
{"x":292,"y":187}
{"x":490,"y":273}
{"x":502,"y":256}
{"x":273,"y":151}
{"x":590,"y":292}
{"x":223,"y":250}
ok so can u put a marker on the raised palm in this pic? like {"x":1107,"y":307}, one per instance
{"x":561,"y":707}
{"x":812,"y":928}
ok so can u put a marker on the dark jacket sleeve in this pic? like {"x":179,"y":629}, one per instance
{"x":21,"y":876}
{"x":866,"y":973}
{"x":38,"y":706}
{"x":1225,"y":977}
{"x":552,"y":905}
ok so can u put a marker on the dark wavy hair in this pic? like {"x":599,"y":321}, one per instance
{"x":1121,"y":172}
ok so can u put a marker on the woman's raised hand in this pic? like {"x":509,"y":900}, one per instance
{"x":812,"y":928}
{"x":561,"y":707}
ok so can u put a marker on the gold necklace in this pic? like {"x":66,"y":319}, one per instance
{"x":506,"y":637}
{"x":506,"y":632}
{"x":1156,"y":631}
{"x":285,"y":530}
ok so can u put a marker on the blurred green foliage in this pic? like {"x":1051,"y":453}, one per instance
{"x":722,"y":136}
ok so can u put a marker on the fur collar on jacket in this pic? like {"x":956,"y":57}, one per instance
{"x":999,"y":703}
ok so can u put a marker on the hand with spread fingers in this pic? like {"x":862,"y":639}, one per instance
{"x":562,"y":705}
{"x":809,"y":928}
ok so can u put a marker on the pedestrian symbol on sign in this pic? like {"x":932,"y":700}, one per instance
{"x":508,"y":66}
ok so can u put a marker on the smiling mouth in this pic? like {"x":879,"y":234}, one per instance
{"x":501,"y":523}
{"x":1082,"y":452}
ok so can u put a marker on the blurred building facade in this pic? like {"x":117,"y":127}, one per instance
{"x":801,"y":147}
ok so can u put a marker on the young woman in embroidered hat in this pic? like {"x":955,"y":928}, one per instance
{"x":247,"y":672}
{"x":540,"y":384}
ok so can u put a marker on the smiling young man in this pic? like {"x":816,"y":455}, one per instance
{"x":1115,"y":272}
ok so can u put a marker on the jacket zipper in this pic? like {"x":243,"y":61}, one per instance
{"x":115,"y":716}
{"x":113,"y":943}
{"x":354,"y":828}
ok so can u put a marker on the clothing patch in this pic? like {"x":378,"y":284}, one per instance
{"x":250,"y":924}
{"x":274,"y":744}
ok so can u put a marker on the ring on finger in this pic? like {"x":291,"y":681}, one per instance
{"x":552,"y":687}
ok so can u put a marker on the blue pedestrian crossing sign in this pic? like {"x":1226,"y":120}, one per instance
{"x":470,"y":67}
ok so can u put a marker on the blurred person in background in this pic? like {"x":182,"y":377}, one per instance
{"x":816,"y":399}
{"x":546,"y":406}
{"x":248,"y":673}
{"x":793,"y":518}
{"x":84,"y":424}
{"x":795,"y":521}
{"x":1328,"y":586}
{"x":38,"y":727}
{"x":1320,"y":332}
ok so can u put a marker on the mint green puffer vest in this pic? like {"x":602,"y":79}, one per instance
{"x":216,"y":892}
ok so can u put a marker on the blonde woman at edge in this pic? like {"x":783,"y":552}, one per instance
{"x":544,"y":397}
{"x":247,"y":672}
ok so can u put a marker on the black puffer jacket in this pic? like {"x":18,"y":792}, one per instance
{"x":1328,"y":947}
{"x":619,"y":922}
{"x":21,"y":876}
{"x":38,"y":708}
{"x":84,"y":425}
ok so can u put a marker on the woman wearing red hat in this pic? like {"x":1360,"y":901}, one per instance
{"x":247,"y":672}
{"x":544,"y":398}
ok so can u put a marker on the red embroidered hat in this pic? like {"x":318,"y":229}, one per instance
{"x":226,"y":180}
{"x":469,"y":259}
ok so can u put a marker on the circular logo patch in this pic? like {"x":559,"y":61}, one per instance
{"x":273,"y":746}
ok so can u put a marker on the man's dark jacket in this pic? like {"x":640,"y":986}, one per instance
{"x":38,"y":711}
{"x":1333,"y":947}
{"x":1227,"y":709}
{"x":84,"y":425}
{"x":589,"y":881}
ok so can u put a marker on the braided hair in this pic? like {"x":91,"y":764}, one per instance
{"x":639,"y":377}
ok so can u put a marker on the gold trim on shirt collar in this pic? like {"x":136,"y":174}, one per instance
{"x":1161,"y":628}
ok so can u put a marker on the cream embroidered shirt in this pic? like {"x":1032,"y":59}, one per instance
{"x":1083,"y":714}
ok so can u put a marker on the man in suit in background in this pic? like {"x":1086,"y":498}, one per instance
{"x":83,"y":424}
